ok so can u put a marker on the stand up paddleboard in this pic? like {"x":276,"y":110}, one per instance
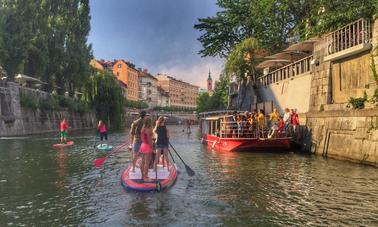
{"x":62,"y":145}
{"x":104,"y":147}
{"x":133,"y":180}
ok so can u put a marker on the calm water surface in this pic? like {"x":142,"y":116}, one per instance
{"x":40,"y":186}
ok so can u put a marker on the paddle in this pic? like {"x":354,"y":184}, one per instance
{"x":98,"y":162}
{"x":158,"y":186}
{"x":189,"y":171}
{"x":95,"y":140}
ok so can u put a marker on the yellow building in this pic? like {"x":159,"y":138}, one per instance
{"x":181,"y":94}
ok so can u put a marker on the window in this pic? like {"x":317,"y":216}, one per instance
{"x":117,"y":74}
{"x":119,"y":66}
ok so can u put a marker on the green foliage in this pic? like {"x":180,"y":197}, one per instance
{"x":46,"y":39}
{"x":28,"y":102}
{"x":375,"y":76}
{"x":202,"y":102}
{"x":242,"y":60}
{"x":358,"y":103}
{"x":105,"y":95}
{"x":50,"y":103}
{"x":218,"y":100}
{"x":136,"y":104}
{"x":271,"y":22}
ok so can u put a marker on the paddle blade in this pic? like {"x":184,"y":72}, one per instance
{"x":189,"y":171}
{"x":99,"y":162}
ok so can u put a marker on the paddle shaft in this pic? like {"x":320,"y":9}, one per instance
{"x":189,"y":171}
{"x":177,"y":153}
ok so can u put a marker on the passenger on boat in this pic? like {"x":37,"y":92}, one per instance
{"x":234,"y":124}
{"x":261,"y":123}
{"x":240,"y":126}
{"x":136,"y":128}
{"x":274,"y":117}
{"x":294,"y":120}
{"x":146,"y":148}
{"x":281,"y":126}
{"x":162,"y":140}
{"x":245,"y":125}
{"x":287,"y":119}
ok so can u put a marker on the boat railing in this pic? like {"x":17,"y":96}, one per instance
{"x":248,"y":129}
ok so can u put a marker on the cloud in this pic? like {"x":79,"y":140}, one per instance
{"x":196,"y":74}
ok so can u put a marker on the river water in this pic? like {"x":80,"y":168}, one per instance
{"x":40,"y":186}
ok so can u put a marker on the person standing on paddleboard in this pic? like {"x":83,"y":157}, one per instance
{"x":146,"y":148}
{"x":136,"y":128}
{"x":103,"y":132}
{"x":63,"y":130}
{"x":162,"y":140}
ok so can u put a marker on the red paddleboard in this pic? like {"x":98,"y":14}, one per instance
{"x":62,"y":145}
{"x":132,"y":180}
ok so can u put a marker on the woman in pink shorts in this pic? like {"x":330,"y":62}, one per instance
{"x":146,"y":148}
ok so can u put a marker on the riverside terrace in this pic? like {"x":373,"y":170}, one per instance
{"x":320,"y":86}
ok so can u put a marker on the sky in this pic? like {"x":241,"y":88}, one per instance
{"x":154,"y":34}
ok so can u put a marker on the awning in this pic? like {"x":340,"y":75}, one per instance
{"x":273,"y":63}
{"x":291,"y":55}
{"x":24,"y":78}
{"x":305,"y":46}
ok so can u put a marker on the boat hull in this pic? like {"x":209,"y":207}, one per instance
{"x":132,"y":181}
{"x":246,"y":144}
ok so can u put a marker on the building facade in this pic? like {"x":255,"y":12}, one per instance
{"x":163,"y":97}
{"x":209,"y":84}
{"x":181,"y":94}
{"x":126,"y":72}
{"x":148,"y":88}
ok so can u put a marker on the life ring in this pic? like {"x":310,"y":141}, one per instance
{"x":271,"y":133}
{"x":215,"y":142}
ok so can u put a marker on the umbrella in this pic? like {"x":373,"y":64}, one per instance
{"x":289,"y":55}
{"x":273,"y":63}
{"x":306,"y":46}
{"x":24,"y":78}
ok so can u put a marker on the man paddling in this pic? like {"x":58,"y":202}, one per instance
{"x":136,"y":128}
{"x":63,"y":130}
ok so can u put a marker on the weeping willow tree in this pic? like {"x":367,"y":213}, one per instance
{"x":241,"y":63}
{"x":105,"y":94}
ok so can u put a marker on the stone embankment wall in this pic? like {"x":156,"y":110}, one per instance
{"x":347,"y":135}
{"x":16,"y":120}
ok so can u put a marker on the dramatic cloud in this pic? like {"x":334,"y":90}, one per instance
{"x":154,"y":34}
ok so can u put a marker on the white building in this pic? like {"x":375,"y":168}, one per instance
{"x":148,"y":88}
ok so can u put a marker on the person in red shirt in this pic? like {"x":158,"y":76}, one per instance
{"x":281,"y":125}
{"x":63,"y":130}
{"x":294,"y":120}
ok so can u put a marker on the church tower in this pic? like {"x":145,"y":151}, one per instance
{"x":209,"y":83}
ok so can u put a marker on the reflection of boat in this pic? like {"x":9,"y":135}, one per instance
{"x":104,"y":147}
{"x":133,"y":180}
{"x":62,"y":145}
{"x":221,"y":133}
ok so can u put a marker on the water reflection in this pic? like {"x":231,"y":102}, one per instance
{"x":41,"y":186}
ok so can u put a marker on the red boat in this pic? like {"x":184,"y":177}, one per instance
{"x":222,"y":133}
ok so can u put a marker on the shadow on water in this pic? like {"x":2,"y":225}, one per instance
{"x":42,"y":186}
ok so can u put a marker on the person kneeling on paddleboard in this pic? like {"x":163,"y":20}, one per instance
{"x":103,"y":132}
{"x":63,"y":130}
